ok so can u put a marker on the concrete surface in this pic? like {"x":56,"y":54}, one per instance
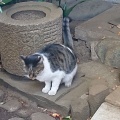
{"x":94,"y":7}
{"x":98,"y":28}
{"x":101,"y":73}
{"x":107,"y":112}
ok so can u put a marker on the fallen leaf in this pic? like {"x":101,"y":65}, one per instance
{"x":99,"y":27}
{"x":118,"y":33}
{"x":103,"y":38}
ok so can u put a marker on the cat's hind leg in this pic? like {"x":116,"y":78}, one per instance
{"x":47,"y":87}
{"x":69,"y":77}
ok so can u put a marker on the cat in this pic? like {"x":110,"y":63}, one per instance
{"x":59,"y":63}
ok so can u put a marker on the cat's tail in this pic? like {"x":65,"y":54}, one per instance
{"x":67,"y":37}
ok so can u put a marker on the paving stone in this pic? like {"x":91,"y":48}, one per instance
{"x":41,"y":116}
{"x":11,"y":105}
{"x":24,"y":112}
{"x":98,"y":81}
{"x":80,"y":108}
{"x":114,"y":97}
{"x":107,"y":112}
{"x":98,"y":71}
{"x":16,"y":118}
{"x":79,"y":105}
{"x":97,"y":96}
{"x":2,"y":94}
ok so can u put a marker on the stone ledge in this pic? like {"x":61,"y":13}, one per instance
{"x":107,"y":112}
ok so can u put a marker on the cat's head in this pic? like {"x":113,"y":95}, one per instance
{"x":32,"y":65}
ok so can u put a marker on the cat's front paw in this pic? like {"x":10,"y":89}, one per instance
{"x":51,"y":92}
{"x":45,"y":90}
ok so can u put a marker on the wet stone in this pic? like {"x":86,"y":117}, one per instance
{"x":16,"y":118}
{"x":41,"y":116}
{"x":2,"y":94}
{"x":11,"y":105}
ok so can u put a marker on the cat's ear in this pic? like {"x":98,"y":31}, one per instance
{"x":22,"y":57}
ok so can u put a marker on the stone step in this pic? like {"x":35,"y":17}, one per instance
{"x":107,"y":112}
{"x":78,"y":95}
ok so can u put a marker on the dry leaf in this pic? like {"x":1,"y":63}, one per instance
{"x":99,"y":27}
{"x":118,"y":33}
{"x":103,"y":38}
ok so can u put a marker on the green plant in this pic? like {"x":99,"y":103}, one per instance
{"x":3,"y":2}
{"x":66,"y":10}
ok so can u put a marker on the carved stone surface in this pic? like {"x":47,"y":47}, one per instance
{"x":23,"y":36}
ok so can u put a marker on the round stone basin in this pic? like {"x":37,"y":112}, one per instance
{"x":25,"y":28}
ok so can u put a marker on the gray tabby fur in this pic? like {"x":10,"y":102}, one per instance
{"x":59,"y":63}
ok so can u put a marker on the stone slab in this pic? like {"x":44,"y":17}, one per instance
{"x":114,"y":97}
{"x":100,"y":72}
{"x":94,"y":7}
{"x":79,"y":105}
{"x":107,"y":112}
{"x":34,"y":88}
{"x":98,"y":28}
{"x":97,"y":94}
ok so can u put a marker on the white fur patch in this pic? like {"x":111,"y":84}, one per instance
{"x":67,"y":48}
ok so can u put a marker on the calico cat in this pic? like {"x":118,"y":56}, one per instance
{"x":59,"y":63}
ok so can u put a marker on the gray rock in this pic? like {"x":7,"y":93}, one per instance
{"x":97,"y":96}
{"x":41,"y":116}
{"x":24,"y":112}
{"x":113,"y":57}
{"x":114,"y":97}
{"x":94,"y":7}
{"x":108,"y":52}
{"x":16,"y":118}
{"x":11,"y":105}
{"x":82,"y":51}
{"x":2,"y":94}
